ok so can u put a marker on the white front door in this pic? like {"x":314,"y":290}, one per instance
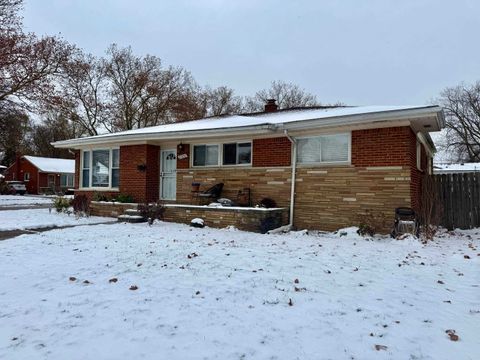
{"x":168,"y":174}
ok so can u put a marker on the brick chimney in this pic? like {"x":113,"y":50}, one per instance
{"x":271,"y":106}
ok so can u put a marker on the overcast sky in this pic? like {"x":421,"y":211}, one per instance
{"x":360,"y":52}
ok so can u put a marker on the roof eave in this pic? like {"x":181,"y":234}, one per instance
{"x":265,"y":128}
{"x":188,"y":134}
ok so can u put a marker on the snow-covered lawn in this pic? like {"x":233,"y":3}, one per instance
{"x":129,"y":291}
{"x":43,"y":218}
{"x":25,"y":200}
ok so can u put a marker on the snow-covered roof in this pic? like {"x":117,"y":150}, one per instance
{"x":314,"y":117}
{"x":456,"y":168}
{"x":52,"y":165}
{"x":2,"y":167}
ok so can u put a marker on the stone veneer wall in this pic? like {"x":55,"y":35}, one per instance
{"x":109,"y":209}
{"x":331,"y":198}
{"x":327,"y":198}
{"x":244,"y":219}
{"x":263,"y":182}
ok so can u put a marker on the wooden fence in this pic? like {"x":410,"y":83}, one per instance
{"x":459,"y":197}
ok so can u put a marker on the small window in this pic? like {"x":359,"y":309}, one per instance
{"x":66,"y":180}
{"x":324,"y":149}
{"x":419,"y":155}
{"x":205,"y":155}
{"x":86,"y":169}
{"x":237,"y":153}
{"x":115,"y":168}
{"x":26,"y":176}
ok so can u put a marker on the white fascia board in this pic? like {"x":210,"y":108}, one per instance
{"x":381,"y":117}
{"x":176,"y":135}
{"x":265,"y":128}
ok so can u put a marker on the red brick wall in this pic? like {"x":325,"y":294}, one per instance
{"x":395,"y":146}
{"x":272,"y":152}
{"x":416,"y":175}
{"x":142,"y":185}
{"x":382,"y":147}
{"x":183,"y":163}
{"x":15,"y":172}
{"x":153,"y":173}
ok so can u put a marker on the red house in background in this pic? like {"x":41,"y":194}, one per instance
{"x":42,"y":175}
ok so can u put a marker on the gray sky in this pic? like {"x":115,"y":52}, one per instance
{"x":360,"y":52}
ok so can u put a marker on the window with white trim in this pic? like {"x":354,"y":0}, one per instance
{"x":66,"y":180}
{"x":205,"y":155}
{"x":115,"y":167}
{"x":237,"y":153}
{"x":86,"y":169}
{"x":100,"y":168}
{"x":324,"y":149}
{"x":26,"y":176}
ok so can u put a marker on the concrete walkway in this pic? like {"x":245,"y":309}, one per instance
{"x":24,"y":207}
{"x":8,"y":234}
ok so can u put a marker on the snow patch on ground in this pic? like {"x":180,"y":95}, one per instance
{"x":25,"y":200}
{"x":43,"y":218}
{"x":130,"y":291}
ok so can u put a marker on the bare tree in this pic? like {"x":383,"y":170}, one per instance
{"x":142,"y":92}
{"x":55,"y":126}
{"x":9,"y":18}
{"x":83,"y":92}
{"x":222,"y":101}
{"x":27,"y":64}
{"x":462,"y":114}
{"x":14,"y":129}
{"x":287,"y":95}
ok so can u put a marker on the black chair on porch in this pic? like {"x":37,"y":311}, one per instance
{"x":212,"y":193}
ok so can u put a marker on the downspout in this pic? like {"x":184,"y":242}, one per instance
{"x":288,"y":227}
{"x":294,"y":173}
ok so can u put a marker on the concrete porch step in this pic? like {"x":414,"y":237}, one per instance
{"x":131,"y":212}
{"x":132,"y":216}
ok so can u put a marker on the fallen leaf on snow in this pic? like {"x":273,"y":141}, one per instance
{"x":134,"y":287}
{"x":451,"y":334}
{"x":113,"y":280}
{"x":380,"y":347}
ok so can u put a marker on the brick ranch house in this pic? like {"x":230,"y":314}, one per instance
{"x":345,"y":161}
{"x":42,"y":174}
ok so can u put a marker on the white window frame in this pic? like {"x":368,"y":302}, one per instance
{"x":68,"y":176}
{"x":321,"y":163}
{"x":419,"y":155}
{"x":237,"y":164}
{"x":26,"y":176}
{"x":98,"y":188}
{"x":111,"y":168}
{"x":220,"y":154}
{"x":219,"y":146}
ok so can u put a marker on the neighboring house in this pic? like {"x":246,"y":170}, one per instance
{"x":42,"y":175}
{"x":456,"y":168}
{"x":345,"y":160}
{"x":2,"y":171}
